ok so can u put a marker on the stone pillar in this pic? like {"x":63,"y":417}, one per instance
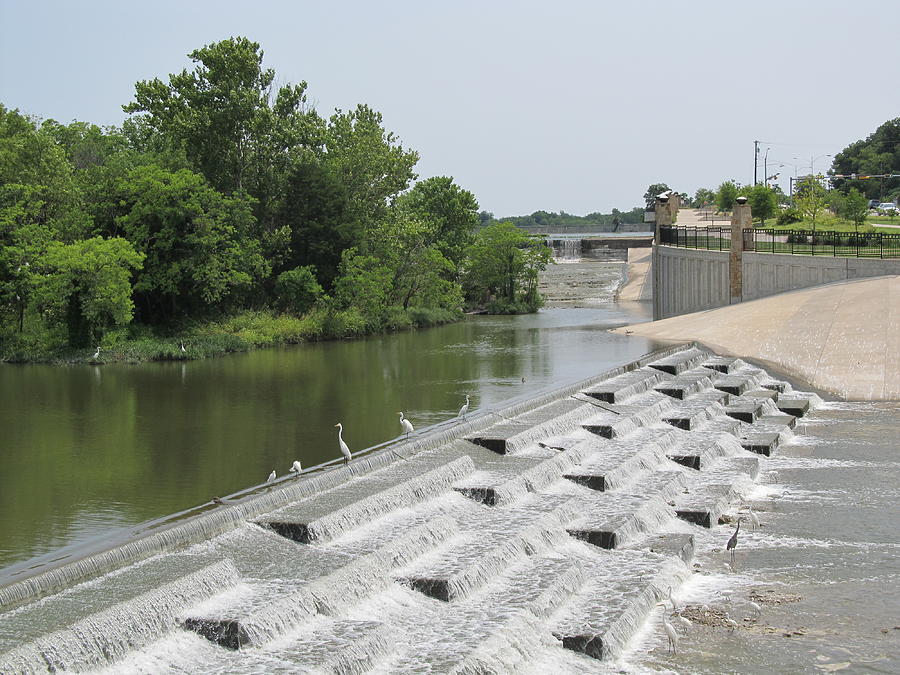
{"x":663,"y":217}
{"x":740,"y":221}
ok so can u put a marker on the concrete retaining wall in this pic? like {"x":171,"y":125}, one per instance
{"x":685,"y":281}
{"x":689,"y":280}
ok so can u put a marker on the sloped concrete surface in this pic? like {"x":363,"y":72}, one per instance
{"x":843,"y":338}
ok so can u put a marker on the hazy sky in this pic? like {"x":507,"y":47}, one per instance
{"x":561,"y":105}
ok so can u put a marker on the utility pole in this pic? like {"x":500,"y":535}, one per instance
{"x":755,"y":159}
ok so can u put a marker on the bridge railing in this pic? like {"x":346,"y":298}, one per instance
{"x":795,"y":242}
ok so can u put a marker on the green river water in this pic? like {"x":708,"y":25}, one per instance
{"x":89,"y":453}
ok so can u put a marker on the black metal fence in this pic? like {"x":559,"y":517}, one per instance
{"x":796,"y":242}
{"x":709,"y":238}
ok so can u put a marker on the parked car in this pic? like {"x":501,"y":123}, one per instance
{"x":873,"y":203}
{"x":888,"y":206}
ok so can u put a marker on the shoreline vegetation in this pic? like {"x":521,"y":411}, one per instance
{"x":240,"y":333}
{"x":226,"y":214}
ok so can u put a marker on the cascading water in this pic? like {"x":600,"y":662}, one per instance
{"x":398,"y":571}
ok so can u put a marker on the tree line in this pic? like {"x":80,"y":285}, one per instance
{"x":223,"y":192}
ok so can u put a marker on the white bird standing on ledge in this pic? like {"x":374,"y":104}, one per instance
{"x":345,"y":451}
{"x":271,"y":476}
{"x":406,"y":425}
{"x":464,"y":409}
{"x":97,"y":353}
{"x":295,"y":467}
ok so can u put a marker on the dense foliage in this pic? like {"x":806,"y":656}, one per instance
{"x":877,"y":154}
{"x":547,"y":222}
{"x":224,"y":196}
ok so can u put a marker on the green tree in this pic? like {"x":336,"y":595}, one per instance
{"x":198,"y":244}
{"x":226,"y":118}
{"x":856,"y":208}
{"x":503,"y":264}
{"x":703,"y":197}
{"x":364,"y":284}
{"x":369,"y":162}
{"x":297,"y":290}
{"x":87,"y":286}
{"x":449,"y":211}
{"x":877,"y":154}
{"x":762,"y":200}
{"x":652,"y":192}
{"x":810,"y":199}
{"x":725,"y":196}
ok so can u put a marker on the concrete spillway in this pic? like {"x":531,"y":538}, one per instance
{"x":550,"y":527}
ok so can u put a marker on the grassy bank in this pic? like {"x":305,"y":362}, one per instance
{"x":239,"y":333}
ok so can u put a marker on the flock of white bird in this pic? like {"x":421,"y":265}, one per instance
{"x":405,"y":425}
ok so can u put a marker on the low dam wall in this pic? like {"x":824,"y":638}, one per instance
{"x":691,"y":280}
{"x":543,"y":531}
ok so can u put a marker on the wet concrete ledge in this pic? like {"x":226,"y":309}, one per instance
{"x":206,"y":521}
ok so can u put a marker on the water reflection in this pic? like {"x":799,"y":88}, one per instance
{"x":90,"y":452}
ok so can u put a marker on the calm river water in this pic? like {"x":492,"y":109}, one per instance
{"x":90,"y":453}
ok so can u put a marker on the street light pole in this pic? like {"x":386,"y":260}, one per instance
{"x":755,"y":159}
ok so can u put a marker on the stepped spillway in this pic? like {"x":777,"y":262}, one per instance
{"x":551,"y":526}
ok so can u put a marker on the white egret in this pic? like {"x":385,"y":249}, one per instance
{"x":345,"y":451}
{"x":754,"y":519}
{"x":670,"y":631}
{"x":672,"y":600}
{"x":732,"y":543}
{"x":756,"y":608}
{"x":462,"y":411}
{"x":296,"y":467}
{"x":731,"y":623}
{"x":271,"y":476}
{"x":684,"y":621}
{"x":97,"y":353}
{"x":406,"y":425}
{"x":183,"y":350}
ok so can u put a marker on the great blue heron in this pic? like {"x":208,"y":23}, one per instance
{"x":271,"y":476}
{"x":406,"y":425}
{"x":345,"y":451}
{"x":296,"y":467}
{"x":462,"y":411}
{"x":732,"y":543}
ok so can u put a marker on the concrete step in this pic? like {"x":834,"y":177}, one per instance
{"x":701,"y":449}
{"x":59,"y":611}
{"x":622,"y":588}
{"x":687,"y":383}
{"x":675,"y":544}
{"x":519,"y":477}
{"x":745,"y":409}
{"x":679,"y":362}
{"x":707,"y":499}
{"x":620,"y":387}
{"x":721,"y":364}
{"x":260,"y":618}
{"x":459,"y":569}
{"x":619,"y":420}
{"x":795,"y":404}
{"x":524,"y":430}
{"x":100,"y":638}
{"x":336,"y":511}
{"x":612,"y":464}
{"x":619,"y":517}
{"x":697,"y":410}
{"x":781,"y":419}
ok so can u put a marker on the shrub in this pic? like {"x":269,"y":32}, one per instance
{"x":788,"y":216}
{"x":297,"y":290}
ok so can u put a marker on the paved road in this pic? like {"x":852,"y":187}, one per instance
{"x":842,"y":337}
